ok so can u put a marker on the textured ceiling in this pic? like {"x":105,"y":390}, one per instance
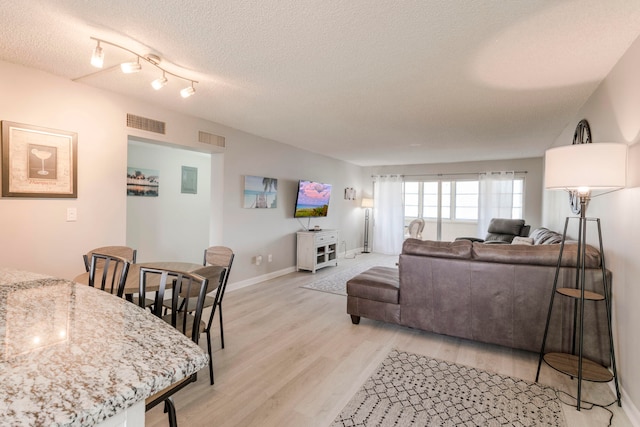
{"x":377,"y":82}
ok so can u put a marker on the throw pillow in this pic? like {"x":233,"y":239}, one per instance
{"x":522,"y":241}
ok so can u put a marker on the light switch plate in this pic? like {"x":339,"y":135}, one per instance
{"x":72,"y":214}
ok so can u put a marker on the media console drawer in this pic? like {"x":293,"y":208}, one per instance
{"x":316,"y":249}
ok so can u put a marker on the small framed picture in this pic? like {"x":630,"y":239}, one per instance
{"x":189,"y":180}
{"x":260,"y":192}
{"x":349,"y":193}
{"x":143,"y":182}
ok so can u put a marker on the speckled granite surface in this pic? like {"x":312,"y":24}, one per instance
{"x":71,"y":355}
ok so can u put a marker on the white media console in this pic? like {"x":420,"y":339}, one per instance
{"x":316,"y":249}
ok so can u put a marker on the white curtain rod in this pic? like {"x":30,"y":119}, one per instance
{"x":452,"y":174}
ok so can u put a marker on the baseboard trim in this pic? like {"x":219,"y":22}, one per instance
{"x":627,"y":406}
{"x":257,"y":279}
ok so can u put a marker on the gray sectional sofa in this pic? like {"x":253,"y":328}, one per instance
{"x":492,"y":293}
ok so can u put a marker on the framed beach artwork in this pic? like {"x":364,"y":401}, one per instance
{"x":260,"y":192}
{"x":38,"y":162}
{"x":143,"y":182}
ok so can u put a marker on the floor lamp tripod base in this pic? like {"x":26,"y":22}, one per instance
{"x":575,"y":364}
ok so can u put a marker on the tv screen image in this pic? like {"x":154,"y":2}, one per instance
{"x":313,"y":199}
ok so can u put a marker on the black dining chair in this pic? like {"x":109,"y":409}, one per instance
{"x":221,"y":256}
{"x":215,"y":276}
{"x":189,"y":323}
{"x":121,"y":251}
{"x":108,"y":273}
{"x":217,"y":266}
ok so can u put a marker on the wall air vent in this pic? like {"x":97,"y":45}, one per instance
{"x":143,"y":123}
{"x":211,"y":139}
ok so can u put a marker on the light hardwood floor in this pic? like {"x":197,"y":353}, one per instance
{"x":292,"y":357}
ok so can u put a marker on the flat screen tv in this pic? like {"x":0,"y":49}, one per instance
{"x":313,"y":199}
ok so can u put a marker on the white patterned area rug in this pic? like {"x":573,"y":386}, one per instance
{"x":336,"y":283}
{"x":413,"y":390}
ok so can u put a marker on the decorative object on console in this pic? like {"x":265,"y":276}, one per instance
{"x":581,"y":168}
{"x":367,"y":204}
{"x":97,"y":60}
{"x":38,"y":162}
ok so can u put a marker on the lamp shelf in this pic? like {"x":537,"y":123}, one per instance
{"x":576,"y":293}
{"x":568,"y":365}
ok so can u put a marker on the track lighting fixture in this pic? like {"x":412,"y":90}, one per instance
{"x":97,"y":60}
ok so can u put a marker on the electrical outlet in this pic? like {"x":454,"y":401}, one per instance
{"x":269,"y":258}
{"x":258,"y":259}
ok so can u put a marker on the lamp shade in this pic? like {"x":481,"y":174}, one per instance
{"x":593,"y":166}
{"x":367,"y":203}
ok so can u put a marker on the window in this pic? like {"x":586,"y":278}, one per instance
{"x":466,"y":198}
{"x":411,"y":200}
{"x":457,"y":199}
{"x":518,"y":198}
{"x":429,"y":199}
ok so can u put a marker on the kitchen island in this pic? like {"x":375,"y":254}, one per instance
{"x":72,"y":355}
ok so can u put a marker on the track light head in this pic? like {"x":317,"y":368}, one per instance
{"x":158,"y":84}
{"x":97,"y":58}
{"x":187,"y":91}
{"x":131,"y":67}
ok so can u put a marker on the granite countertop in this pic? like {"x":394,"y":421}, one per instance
{"x":71,"y":355}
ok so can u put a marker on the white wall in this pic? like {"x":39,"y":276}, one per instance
{"x":613,"y":112}
{"x":174,"y":225}
{"x":35,"y":235}
{"x":272,"y":231}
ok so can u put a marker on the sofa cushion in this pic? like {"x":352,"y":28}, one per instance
{"x":377,"y":284}
{"x":535,"y":254}
{"x":544,"y":236}
{"x":460,"y":249}
{"x":505,"y":226}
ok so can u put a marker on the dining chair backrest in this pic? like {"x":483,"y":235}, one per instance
{"x":218,"y":255}
{"x":214,"y":274}
{"x":121,"y":251}
{"x":180,"y":283}
{"x":108,"y":273}
{"x":221,"y":256}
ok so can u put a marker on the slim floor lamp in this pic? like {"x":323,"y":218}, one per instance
{"x":367,"y":204}
{"x":581,"y":168}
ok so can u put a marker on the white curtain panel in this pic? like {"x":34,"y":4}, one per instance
{"x":495,"y":198}
{"x":388,"y":215}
